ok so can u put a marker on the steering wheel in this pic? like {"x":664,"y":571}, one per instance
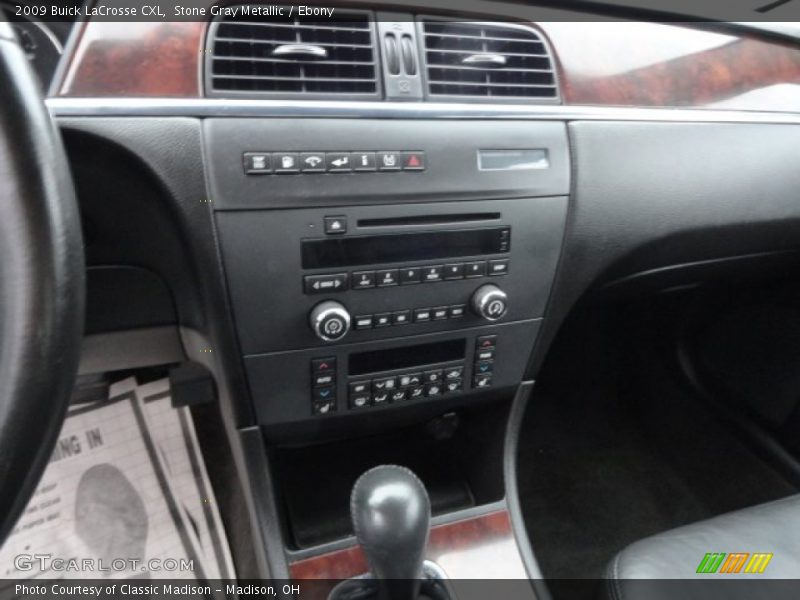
{"x":42,"y":282}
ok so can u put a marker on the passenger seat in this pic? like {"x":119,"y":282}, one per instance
{"x":722,"y":557}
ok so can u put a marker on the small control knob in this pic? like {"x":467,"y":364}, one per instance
{"x":490,"y":302}
{"x":330,"y":321}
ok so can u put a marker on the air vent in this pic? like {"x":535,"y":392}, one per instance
{"x":251,"y":55}
{"x":487,"y":60}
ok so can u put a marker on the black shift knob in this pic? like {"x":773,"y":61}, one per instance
{"x":391,"y":516}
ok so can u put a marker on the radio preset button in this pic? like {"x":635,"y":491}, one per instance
{"x":457,"y":311}
{"x":422,"y":315}
{"x":386,"y":278}
{"x":432,"y":274}
{"x":498,"y":267}
{"x":363,"y":322}
{"x":383,"y":320}
{"x":475,"y":269}
{"x":440,"y":313}
{"x":454,"y":271}
{"x":362,"y":280}
{"x":410,"y":275}
{"x":322,"y":284}
{"x":401,"y":317}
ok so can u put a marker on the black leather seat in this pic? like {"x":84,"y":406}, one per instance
{"x":666,"y":565}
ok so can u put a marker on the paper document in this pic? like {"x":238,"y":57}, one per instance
{"x":126,"y":494}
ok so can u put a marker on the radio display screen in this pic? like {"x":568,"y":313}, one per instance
{"x":403,"y":247}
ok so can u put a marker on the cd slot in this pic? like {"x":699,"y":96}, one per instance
{"x":429,"y":220}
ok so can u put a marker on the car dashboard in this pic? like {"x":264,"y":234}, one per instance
{"x":372,"y":220}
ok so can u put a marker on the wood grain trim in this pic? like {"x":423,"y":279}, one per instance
{"x":482,"y":547}
{"x":598,"y":63}
{"x":137,"y":59}
{"x":658,"y":65}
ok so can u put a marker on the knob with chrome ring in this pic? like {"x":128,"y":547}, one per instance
{"x":330,"y":321}
{"x":490,"y":302}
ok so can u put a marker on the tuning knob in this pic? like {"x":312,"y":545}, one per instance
{"x":330,"y":321}
{"x":490,"y":302}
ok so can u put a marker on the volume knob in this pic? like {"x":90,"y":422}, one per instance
{"x":330,"y":321}
{"x":490,"y":302}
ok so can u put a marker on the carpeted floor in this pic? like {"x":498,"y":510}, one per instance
{"x":613,"y":450}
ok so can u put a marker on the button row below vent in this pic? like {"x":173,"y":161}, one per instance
{"x":292,"y":163}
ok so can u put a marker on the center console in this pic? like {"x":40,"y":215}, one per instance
{"x":376,"y":273}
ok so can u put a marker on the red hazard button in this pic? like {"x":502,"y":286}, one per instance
{"x":413,"y":161}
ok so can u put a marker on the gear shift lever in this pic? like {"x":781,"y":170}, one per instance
{"x":391,"y":516}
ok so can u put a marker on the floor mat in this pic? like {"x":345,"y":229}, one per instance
{"x":126,"y":490}
{"x":609,"y":459}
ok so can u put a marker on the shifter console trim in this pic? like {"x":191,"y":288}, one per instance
{"x":481,"y":547}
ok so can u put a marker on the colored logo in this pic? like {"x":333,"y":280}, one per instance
{"x":734,"y":563}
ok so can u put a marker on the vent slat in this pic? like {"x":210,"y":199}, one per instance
{"x":281,"y":42}
{"x":518,"y":64}
{"x":287,"y":61}
{"x":299,"y":26}
{"x":468,"y":52}
{"x":482,"y":38}
{"x":499,"y":85}
{"x":241,"y":57}
{"x":300,"y":79}
{"x":482,"y":70}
